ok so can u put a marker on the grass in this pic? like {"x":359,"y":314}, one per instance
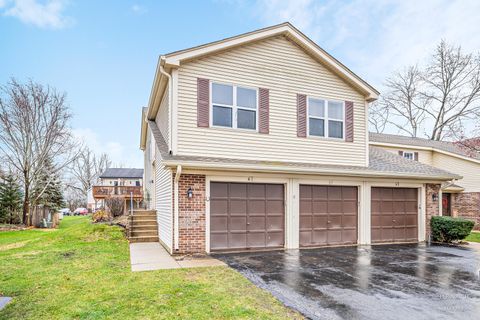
{"x":473,"y":237}
{"x":82,"y":271}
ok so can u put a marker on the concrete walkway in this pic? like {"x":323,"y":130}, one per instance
{"x":147,"y":256}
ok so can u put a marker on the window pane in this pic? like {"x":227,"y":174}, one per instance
{"x":246,"y":98}
{"x":246,"y":119}
{"x":335,"y":110}
{"x":316,"y":127}
{"x":335,"y":129}
{"x":408,"y":155}
{"x":316,"y":108}
{"x":222,"y":116}
{"x":222,"y":94}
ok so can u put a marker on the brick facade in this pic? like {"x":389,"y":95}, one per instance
{"x":432,"y":207}
{"x":191,"y":218}
{"x":466,"y":205}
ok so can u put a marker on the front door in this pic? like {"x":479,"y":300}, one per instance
{"x":446,"y":204}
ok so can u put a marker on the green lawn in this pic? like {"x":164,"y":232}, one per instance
{"x":82,"y":271}
{"x":474,"y":237}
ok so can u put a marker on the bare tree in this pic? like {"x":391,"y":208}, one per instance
{"x":33,"y":128}
{"x":437,"y":99}
{"x":378,"y":116}
{"x":86,"y":168}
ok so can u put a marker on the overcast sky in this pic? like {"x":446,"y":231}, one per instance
{"x":103,"y":53}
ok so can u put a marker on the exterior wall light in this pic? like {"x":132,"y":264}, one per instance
{"x":435,"y":197}
{"x":189,"y":192}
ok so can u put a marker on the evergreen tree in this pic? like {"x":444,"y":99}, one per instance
{"x":10,"y":200}
{"x":48,"y":188}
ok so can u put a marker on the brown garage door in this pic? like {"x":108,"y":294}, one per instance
{"x":246,"y":216}
{"x":328,"y":215}
{"x":394,"y":215}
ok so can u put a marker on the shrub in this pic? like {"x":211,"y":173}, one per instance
{"x":101,"y":216}
{"x":115,"y":206}
{"x":448,"y":229}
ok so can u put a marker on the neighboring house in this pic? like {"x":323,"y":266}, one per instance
{"x":460,"y":198}
{"x":260,"y":141}
{"x":124,"y":183}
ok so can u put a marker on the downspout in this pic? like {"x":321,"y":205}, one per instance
{"x":170,"y":102}
{"x":175,"y":209}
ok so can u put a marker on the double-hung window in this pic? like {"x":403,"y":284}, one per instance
{"x":326,"y":118}
{"x":234,"y":106}
{"x":408,"y":155}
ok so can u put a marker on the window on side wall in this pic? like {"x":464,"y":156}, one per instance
{"x":234,"y":106}
{"x":326,"y":118}
{"x":408,"y":155}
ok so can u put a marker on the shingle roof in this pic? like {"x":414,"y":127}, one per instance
{"x":382,"y":163}
{"x":129,"y":173}
{"x":420,"y":142}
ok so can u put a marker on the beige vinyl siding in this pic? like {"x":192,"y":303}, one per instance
{"x":148,"y":173}
{"x":281,"y":66}
{"x":468,"y":169}
{"x":424,"y":156}
{"x":162,"y":119}
{"x":163,"y":204}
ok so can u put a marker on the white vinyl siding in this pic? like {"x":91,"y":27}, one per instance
{"x":163,"y":117}
{"x":286,"y":70}
{"x":468,"y":169}
{"x":163,"y":204}
{"x":148,"y":174}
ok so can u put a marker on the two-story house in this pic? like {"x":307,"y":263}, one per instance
{"x":123,"y":183}
{"x":460,"y":198}
{"x":260,"y":141}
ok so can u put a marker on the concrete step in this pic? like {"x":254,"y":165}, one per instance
{"x":144,"y":213}
{"x":143,"y":239}
{"x":144,"y":227}
{"x":140,"y":233}
{"x":150,"y":223}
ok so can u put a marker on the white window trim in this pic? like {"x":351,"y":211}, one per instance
{"x":325,"y":119}
{"x":409,"y":152}
{"x":234,"y":107}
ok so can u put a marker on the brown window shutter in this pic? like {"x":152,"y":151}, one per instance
{"x":415,"y":156}
{"x":400,"y":153}
{"x":349,"y":121}
{"x":301,"y":115}
{"x":203,"y":102}
{"x":263,"y":110}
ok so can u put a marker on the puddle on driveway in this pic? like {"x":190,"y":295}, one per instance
{"x":387,"y":282}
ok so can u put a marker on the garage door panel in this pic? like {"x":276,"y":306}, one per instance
{"x":274,"y":207}
{"x":237,"y":223}
{"x":333,"y":215}
{"x":219,"y":223}
{"x":237,"y":190}
{"x":275,"y":223}
{"x":319,"y":221}
{"x":218,"y":241}
{"x":305,"y":206}
{"x":246,"y":216}
{"x":394,"y":214}
{"x":320,"y":207}
{"x":319,"y":236}
{"x":274,"y":239}
{"x":256,"y":206}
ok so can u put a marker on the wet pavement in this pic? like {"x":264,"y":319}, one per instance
{"x":378,"y":282}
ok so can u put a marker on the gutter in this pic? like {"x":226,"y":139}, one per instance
{"x":170,"y":101}
{"x":178,"y":173}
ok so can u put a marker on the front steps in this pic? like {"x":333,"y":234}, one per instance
{"x":143,"y":226}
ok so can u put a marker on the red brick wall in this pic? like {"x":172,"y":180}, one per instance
{"x":432,"y":207}
{"x":467,"y":205}
{"x":191,"y":218}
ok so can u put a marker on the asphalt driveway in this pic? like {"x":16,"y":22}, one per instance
{"x":379,"y":282}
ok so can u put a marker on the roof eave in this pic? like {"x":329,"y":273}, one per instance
{"x":304,"y":170}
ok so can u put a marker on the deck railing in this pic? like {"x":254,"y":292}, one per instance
{"x":109,"y":191}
